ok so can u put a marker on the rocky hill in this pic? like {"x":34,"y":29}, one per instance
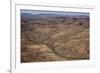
{"x":49,"y":37}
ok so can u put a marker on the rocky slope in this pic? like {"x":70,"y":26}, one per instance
{"x":54,"y":38}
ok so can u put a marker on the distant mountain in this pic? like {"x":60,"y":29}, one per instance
{"x":44,"y":16}
{"x":54,"y":15}
{"x":26,"y":15}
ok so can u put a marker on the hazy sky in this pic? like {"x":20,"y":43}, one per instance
{"x":52,"y":12}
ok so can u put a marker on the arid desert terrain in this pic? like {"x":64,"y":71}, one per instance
{"x":51,"y":36}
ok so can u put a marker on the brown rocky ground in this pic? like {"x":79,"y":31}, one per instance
{"x":58,"y":40}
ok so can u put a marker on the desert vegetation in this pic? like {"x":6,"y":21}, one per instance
{"x":54,"y":37}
